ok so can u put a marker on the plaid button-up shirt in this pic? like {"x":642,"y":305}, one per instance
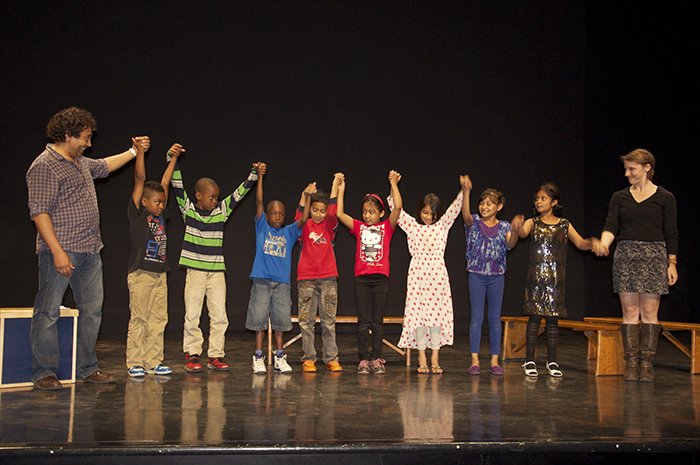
{"x":66,"y":192}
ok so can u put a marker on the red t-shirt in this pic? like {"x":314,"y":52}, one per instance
{"x":372,"y":251}
{"x":317,"y":258}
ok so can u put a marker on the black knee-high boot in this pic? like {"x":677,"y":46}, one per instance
{"x":630,"y":338}
{"x":649,"y":339}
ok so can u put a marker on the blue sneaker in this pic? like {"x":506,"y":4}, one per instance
{"x":136,"y":372}
{"x":160,"y":370}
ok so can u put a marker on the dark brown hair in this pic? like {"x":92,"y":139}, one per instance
{"x":71,"y":121}
{"x":433,"y":202}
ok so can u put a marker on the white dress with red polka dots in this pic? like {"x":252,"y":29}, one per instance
{"x":428,"y":293}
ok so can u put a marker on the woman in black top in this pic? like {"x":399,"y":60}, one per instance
{"x":643,"y":220}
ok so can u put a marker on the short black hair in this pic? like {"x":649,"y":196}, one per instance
{"x":71,"y":121}
{"x":149,"y":187}
{"x":320,"y":196}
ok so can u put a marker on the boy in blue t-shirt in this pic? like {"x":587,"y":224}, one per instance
{"x":270,"y":295}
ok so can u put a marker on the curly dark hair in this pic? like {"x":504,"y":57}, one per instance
{"x":433,"y":202}
{"x":71,"y":121}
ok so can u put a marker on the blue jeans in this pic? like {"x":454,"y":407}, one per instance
{"x":485,"y":289}
{"x":269,"y":300}
{"x":86,"y":283}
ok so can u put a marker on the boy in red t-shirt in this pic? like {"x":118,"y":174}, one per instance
{"x":317,"y":278}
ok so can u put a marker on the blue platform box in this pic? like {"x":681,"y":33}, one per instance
{"x":16,"y":351}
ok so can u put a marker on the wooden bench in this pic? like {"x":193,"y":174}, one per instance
{"x":604,"y":342}
{"x":666,"y":327}
{"x":341,"y":319}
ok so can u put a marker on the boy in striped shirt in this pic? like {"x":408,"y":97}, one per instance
{"x":203,"y":256}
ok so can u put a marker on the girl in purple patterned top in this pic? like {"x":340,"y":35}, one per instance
{"x":488,"y":241}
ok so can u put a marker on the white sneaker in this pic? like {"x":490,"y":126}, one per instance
{"x":281,"y":364}
{"x":259,"y":365}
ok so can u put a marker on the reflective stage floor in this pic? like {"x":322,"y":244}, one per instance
{"x":401,"y":417}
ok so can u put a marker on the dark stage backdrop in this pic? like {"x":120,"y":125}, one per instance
{"x":511,"y":93}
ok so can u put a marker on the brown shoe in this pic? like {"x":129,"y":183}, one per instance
{"x":50,"y":383}
{"x":99,"y":378}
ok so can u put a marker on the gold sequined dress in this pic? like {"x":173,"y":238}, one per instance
{"x":546,"y":272}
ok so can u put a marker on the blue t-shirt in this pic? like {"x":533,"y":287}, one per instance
{"x":273,"y":250}
{"x":486,"y":247}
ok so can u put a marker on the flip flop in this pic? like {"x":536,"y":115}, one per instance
{"x":436,"y":370}
{"x":423,"y":370}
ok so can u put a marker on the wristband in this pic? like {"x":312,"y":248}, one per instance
{"x":133,"y":151}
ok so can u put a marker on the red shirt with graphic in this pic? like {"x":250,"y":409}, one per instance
{"x":317,"y":258}
{"x":372,"y":251}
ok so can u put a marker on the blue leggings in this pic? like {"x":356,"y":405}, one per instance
{"x":485,"y":289}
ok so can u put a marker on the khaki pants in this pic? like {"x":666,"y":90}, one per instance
{"x":148,"y":303}
{"x":198,"y":285}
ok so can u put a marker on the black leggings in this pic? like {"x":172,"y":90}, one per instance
{"x":551,"y":333}
{"x":371,"y":293}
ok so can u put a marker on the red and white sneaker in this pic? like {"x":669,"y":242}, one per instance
{"x":218,"y":364}
{"x":192,"y":363}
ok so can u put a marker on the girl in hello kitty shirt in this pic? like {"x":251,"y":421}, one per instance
{"x":428,"y":318}
{"x":371,"y":270}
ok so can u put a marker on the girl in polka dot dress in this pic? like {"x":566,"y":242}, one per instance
{"x":428,"y":319}
{"x":488,"y":241}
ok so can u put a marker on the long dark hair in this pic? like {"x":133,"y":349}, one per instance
{"x":433,"y":202}
{"x":554,"y":193}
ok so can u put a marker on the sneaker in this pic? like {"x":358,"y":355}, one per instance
{"x":160,"y":370}
{"x":474,"y":370}
{"x":553,"y":369}
{"x":281,"y":364}
{"x":136,"y":372}
{"x":334,"y":366}
{"x":259,"y":365}
{"x":309,"y":366}
{"x":378,"y":366}
{"x":363,"y":368}
{"x":192,"y":363}
{"x":218,"y":364}
{"x":530,"y":369}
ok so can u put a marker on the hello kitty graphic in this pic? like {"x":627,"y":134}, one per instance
{"x":371,"y":240}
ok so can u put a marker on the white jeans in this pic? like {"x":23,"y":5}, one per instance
{"x":421,"y":337}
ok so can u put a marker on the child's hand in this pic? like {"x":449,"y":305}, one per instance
{"x":338,"y":178}
{"x":518,"y":220}
{"x":465,"y":182}
{"x":136,"y":145}
{"x":175,"y":151}
{"x":141,"y":142}
{"x":261,"y":167}
{"x":598,"y":248}
{"x":310,"y":189}
{"x":394,"y":177}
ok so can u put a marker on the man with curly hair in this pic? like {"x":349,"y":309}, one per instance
{"x":63,"y":206}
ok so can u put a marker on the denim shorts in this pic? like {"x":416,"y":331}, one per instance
{"x":269,"y":300}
